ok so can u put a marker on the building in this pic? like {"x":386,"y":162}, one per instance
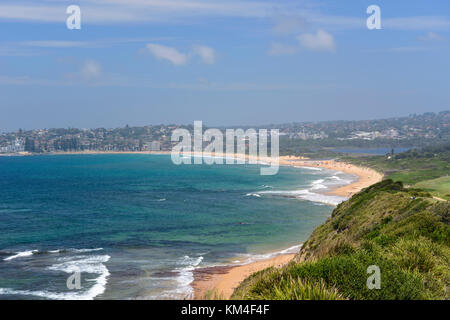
{"x":155,"y":146}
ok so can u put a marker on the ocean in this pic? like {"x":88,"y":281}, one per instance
{"x":135,"y":226}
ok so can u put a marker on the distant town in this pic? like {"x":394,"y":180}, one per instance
{"x":413,"y":130}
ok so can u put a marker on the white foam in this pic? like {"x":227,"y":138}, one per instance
{"x":293,"y":249}
{"x":21,"y":255}
{"x":87,"y":264}
{"x":310,"y":193}
{"x":184,"y":278}
{"x":27,"y":253}
{"x":85,"y":250}
{"x":281,"y":192}
{"x":318,"y":184}
{"x":70,"y":265}
{"x":322,"y":198}
{"x":253,"y":195}
{"x":43,"y":293}
{"x":249,"y":258}
{"x":309,"y":168}
{"x":338,"y":180}
{"x":306,"y":194}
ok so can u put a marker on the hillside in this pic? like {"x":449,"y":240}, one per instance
{"x":405,"y":232}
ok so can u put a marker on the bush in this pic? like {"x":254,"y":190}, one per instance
{"x":282,"y":286}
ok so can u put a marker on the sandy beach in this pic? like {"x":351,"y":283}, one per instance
{"x":221,"y":281}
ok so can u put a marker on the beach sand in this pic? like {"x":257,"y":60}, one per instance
{"x":221,"y":281}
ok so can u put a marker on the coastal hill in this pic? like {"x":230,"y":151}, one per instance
{"x":403,"y":231}
{"x":401,"y":227}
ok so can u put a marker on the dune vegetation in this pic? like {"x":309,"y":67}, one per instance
{"x":403,"y":231}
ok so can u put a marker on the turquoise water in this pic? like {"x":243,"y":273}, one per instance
{"x":135,"y":226}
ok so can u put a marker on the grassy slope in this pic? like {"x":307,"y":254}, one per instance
{"x":403,"y":231}
{"x":439,"y":186}
{"x":412,"y":169}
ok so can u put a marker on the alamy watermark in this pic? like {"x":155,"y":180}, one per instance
{"x":374,"y":20}
{"x":74,"y":20}
{"x":374,"y":280}
{"x":191,"y":150}
{"x":74,"y":281}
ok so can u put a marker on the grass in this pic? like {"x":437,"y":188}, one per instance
{"x":405,"y":232}
{"x":276,"y":285}
{"x":212,"y":295}
{"x":439,"y":187}
{"x":427,"y":170}
{"x":408,"y":170}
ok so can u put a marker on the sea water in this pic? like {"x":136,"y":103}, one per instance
{"x":135,"y":226}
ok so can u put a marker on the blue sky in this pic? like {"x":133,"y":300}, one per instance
{"x":232,"y":62}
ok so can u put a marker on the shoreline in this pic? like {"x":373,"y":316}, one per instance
{"x":220,"y":282}
{"x":366,"y":176}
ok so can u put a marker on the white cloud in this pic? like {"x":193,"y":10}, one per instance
{"x":417,"y":23}
{"x":289,"y":16}
{"x":58,"y":44}
{"x":29,"y":12}
{"x":161,"y":52}
{"x":120,"y":11}
{"x":207,"y":54}
{"x":321,"y":41}
{"x":279,"y":49}
{"x":432,"y":36}
{"x":90,"y":70}
{"x":167,"y":53}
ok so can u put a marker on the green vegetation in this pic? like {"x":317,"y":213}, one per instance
{"x":405,"y":232}
{"x":211,"y":295}
{"x":439,"y":186}
{"x":416,"y":168}
{"x":271,"y":284}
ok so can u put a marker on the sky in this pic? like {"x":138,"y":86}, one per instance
{"x":230,"y":62}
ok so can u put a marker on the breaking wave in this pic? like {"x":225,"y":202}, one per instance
{"x":315,"y":191}
{"x":86,"y":265}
